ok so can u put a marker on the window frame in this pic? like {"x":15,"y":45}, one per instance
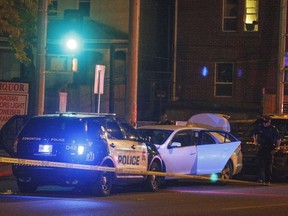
{"x":228,"y":17}
{"x":229,"y":80}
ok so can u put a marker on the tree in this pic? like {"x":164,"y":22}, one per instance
{"x":18,"y":22}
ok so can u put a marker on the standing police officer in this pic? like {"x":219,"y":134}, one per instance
{"x":267,"y":138}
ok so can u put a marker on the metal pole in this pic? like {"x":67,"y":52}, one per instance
{"x":281,"y":56}
{"x":175,"y":51}
{"x":132,"y":79}
{"x":41,"y":55}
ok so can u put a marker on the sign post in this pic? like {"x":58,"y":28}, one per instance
{"x":99,"y":82}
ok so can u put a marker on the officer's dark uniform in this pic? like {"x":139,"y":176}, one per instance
{"x":267,"y":136}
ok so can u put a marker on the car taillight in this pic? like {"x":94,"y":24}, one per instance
{"x":15,"y":145}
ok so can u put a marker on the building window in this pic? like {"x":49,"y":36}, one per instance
{"x":223,"y":79}
{"x":84,"y":8}
{"x":230,"y":15}
{"x":251,"y":15}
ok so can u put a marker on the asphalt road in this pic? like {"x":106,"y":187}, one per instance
{"x":182,"y":198}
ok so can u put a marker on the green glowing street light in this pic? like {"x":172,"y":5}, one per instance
{"x":72,"y":44}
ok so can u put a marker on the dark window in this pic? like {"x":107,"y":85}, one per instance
{"x":52,"y":8}
{"x":224,"y":79}
{"x":206,"y":139}
{"x":130,"y":132}
{"x":114,"y":130}
{"x":185,"y":137}
{"x":157,"y":136}
{"x":230,"y":15}
{"x":84,"y":8}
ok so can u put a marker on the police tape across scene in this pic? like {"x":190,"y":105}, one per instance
{"x":112,"y":169}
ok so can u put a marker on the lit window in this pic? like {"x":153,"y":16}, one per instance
{"x":84,"y":8}
{"x":251,"y":15}
{"x":230,"y":15}
{"x":224,"y":79}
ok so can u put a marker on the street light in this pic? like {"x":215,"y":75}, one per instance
{"x":72,"y":44}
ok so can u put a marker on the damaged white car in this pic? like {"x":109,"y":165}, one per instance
{"x":204,"y":146}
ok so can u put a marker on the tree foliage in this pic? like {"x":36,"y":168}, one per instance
{"x":18,"y":22}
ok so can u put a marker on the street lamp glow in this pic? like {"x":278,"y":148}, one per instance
{"x":71,"y":44}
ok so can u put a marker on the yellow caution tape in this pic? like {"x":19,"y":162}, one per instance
{"x":111,"y":169}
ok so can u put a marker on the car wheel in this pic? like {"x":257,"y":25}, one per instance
{"x":227,"y":171}
{"x":103,"y":185}
{"x":153,"y":182}
{"x":26,"y":187}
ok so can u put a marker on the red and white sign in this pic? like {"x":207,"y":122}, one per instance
{"x":13,"y":100}
{"x":99,"y":79}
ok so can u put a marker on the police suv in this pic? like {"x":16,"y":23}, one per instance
{"x":89,"y":139}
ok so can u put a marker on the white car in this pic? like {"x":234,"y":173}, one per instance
{"x":203,"y":147}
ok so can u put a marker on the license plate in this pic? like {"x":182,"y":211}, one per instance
{"x":45,"y":148}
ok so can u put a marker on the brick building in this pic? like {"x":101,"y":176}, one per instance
{"x":227,"y":57}
{"x":194,"y":56}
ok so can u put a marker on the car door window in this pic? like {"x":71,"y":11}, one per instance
{"x":184,"y":137}
{"x":114,"y":131}
{"x":129,"y":131}
{"x":223,"y":137}
{"x":206,"y":139}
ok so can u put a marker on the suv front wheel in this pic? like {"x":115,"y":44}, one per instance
{"x":103,"y":186}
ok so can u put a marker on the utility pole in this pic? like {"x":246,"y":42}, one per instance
{"x":281,"y":57}
{"x":41,"y":55}
{"x":132,"y":79}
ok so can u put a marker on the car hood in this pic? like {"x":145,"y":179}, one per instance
{"x":211,"y":121}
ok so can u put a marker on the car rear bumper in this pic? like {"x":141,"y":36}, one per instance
{"x":53,"y":176}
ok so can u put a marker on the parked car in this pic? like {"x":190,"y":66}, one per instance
{"x":196,"y":150}
{"x":243,"y":129}
{"x":89,"y":139}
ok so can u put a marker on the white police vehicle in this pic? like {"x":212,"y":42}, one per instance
{"x":89,"y":139}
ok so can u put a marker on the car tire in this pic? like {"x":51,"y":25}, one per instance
{"x":227,"y":171}
{"x":153,"y":182}
{"x":26,"y":187}
{"x":103,"y":186}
